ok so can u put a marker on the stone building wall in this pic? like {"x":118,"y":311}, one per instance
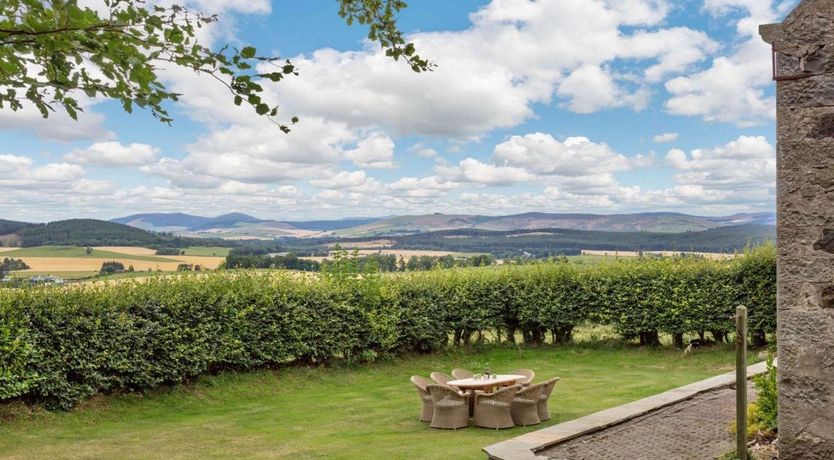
{"x":804,"y":67}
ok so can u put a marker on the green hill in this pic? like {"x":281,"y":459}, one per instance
{"x":91,"y":232}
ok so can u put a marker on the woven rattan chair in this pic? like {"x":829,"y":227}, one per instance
{"x":547,"y":389}
{"x":528,"y":376}
{"x":460,"y":374}
{"x":441,"y":378}
{"x":492,"y":410}
{"x":451,"y":407}
{"x":428,"y":406}
{"x":524,"y":408}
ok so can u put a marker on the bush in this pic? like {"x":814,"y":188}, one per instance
{"x":763,"y":414}
{"x":60,"y":346}
{"x":170,"y":252}
{"x":108,"y":268}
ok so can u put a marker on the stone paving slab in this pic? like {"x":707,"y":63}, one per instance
{"x":526,"y":446}
{"x":695,"y":429}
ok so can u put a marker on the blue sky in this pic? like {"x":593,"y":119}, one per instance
{"x":604,"y":106}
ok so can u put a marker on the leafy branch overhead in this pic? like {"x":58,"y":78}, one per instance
{"x":52,"y":53}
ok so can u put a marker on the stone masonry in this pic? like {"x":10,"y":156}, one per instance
{"x":804,"y":69}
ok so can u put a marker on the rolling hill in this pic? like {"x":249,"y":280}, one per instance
{"x":91,"y":232}
{"x":642,"y":222}
{"x":233,"y":225}
{"x":238,"y":225}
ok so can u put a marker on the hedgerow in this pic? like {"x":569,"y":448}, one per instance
{"x":59,"y":346}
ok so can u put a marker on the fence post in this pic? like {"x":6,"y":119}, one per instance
{"x":741,"y":383}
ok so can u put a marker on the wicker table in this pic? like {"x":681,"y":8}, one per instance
{"x":487,"y":385}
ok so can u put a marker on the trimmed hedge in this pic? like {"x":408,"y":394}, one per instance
{"x":60,"y":346}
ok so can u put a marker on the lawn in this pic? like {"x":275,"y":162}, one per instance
{"x":361,"y":412}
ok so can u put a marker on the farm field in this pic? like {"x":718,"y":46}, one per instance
{"x":404,"y":253}
{"x":302,"y":412}
{"x":214,"y":251}
{"x":68,"y":260}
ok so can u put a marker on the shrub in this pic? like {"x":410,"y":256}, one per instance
{"x":111,"y":267}
{"x":59,"y":346}
{"x":762,"y":415}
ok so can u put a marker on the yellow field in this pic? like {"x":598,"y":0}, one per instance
{"x":128,"y":250}
{"x":7,"y":249}
{"x":78,"y":264}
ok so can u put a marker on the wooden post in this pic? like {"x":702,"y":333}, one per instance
{"x":741,"y":383}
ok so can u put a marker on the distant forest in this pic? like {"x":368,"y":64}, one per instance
{"x":541,"y":243}
{"x":554,"y":242}
{"x":91,"y":232}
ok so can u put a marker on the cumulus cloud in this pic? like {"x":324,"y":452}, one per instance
{"x":114,"y":154}
{"x":341,"y":180}
{"x":375,"y":151}
{"x":747,"y":164}
{"x":539,"y":153}
{"x":663,"y":138}
{"x":474,"y":171}
{"x":734,"y":89}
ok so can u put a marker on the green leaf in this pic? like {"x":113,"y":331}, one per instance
{"x":248,"y":52}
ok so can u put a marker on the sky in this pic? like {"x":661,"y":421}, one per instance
{"x":602,"y":106}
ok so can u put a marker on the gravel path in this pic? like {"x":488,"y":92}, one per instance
{"x":696,"y":429}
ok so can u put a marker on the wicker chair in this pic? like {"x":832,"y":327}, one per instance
{"x":547,"y":389}
{"x":528,"y":376}
{"x":451,"y":407}
{"x":492,"y":410}
{"x":441,"y":378}
{"x":428,"y":406}
{"x":524,"y":409}
{"x":460,"y":374}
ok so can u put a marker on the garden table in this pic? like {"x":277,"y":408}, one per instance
{"x":483,"y":384}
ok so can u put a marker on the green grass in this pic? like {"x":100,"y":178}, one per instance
{"x":76,"y":251}
{"x":364,"y":412}
{"x":207,"y":251}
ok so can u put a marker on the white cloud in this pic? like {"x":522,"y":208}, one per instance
{"x":114,"y":154}
{"x":58,"y":127}
{"x":745,"y":165}
{"x":341,"y":180}
{"x":539,"y":153}
{"x":375,"y":151}
{"x":423,"y":151}
{"x":663,"y":138}
{"x":474,"y":171}
{"x":734,"y":89}
{"x":589,"y":89}
{"x":12,"y":165}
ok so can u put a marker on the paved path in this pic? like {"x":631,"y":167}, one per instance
{"x":695,"y":429}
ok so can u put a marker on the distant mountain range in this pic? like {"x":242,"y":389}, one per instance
{"x":241,"y":226}
{"x":536,"y":234}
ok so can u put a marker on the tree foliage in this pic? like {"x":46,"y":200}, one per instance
{"x":52,"y":53}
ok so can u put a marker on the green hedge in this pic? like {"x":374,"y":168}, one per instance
{"x":59,"y":346}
